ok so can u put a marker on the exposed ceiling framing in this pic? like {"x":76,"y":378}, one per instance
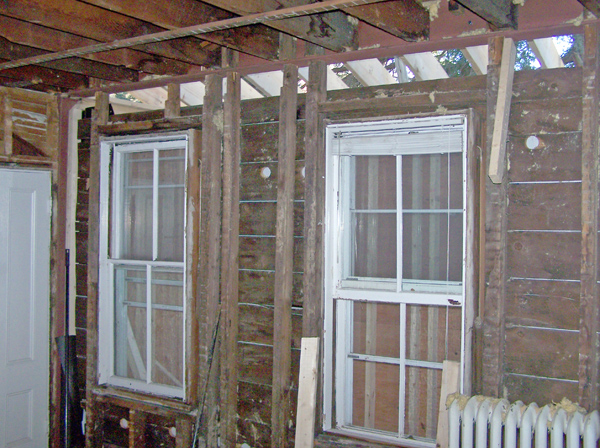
{"x":80,"y":46}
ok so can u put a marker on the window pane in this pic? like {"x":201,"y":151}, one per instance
{"x":374,"y":245}
{"x":171,"y":204}
{"x":425,"y":183}
{"x":136,"y":208}
{"x":375,"y":395}
{"x":433,"y":333}
{"x":376,"y":329}
{"x":167,"y":327}
{"x":130,"y":322}
{"x":374,"y":182}
{"x":422,"y":401}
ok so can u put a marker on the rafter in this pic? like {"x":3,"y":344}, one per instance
{"x":32,"y":35}
{"x":546,"y":52}
{"x":258,"y":40}
{"x":477,"y":57}
{"x":499,"y":13}
{"x":331,"y":30}
{"x":105,"y":26}
{"x":406,"y":19}
{"x":424,"y":66}
{"x":592,"y":5}
{"x":9,"y":51}
{"x":370,"y":72}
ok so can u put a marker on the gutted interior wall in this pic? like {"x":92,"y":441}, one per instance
{"x":538,"y":355}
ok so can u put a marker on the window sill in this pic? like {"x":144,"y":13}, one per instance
{"x":151,"y":404}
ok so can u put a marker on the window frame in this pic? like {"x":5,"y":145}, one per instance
{"x":345,"y":291}
{"x":111,"y":151}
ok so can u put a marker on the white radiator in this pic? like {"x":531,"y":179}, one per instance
{"x":481,"y":422}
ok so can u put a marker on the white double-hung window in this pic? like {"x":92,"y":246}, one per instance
{"x":142,"y":301}
{"x":395,"y":270}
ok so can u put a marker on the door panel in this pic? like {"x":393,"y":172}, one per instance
{"x":24,"y":307}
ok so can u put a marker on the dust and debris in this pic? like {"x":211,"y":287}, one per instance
{"x":432,"y":96}
{"x":577,"y":20}
{"x":476,"y":32}
{"x":217,"y":120}
{"x":462,"y":400}
{"x":441,"y":109}
{"x":433,"y":6}
{"x":518,"y":2}
{"x":352,"y":20}
{"x":555,"y":117}
{"x":568,"y":406}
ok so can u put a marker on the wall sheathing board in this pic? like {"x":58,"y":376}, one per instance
{"x":543,"y":232}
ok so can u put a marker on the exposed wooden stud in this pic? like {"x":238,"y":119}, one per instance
{"x":192,"y":247}
{"x":183,"y":438}
{"x":495,"y":247}
{"x":284,"y":249}
{"x":229,"y":252}
{"x":173,"y":102}
{"x":450,"y":385}
{"x":588,"y":300}
{"x":212,"y":128}
{"x":7,"y":124}
{"x":99,"y":117}
{"x":137,"y":428}
{"x":307,"y":393}
{"x":502,"y":113}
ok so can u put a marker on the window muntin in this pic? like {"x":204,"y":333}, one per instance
{"x":396,"y":253}
{"x":142,"y":301}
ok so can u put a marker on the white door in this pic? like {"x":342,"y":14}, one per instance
{"x":25,"y":207}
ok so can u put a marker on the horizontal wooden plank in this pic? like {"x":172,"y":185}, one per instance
{"x":539,"y":390}
{"x":256,"y":363}
{"x":544,"y":206}
{"x":542,"y":352}
{"x":543,"y":303}
{"x":257,"y":287}
{"x":256,"y":186}
{"x":533,"y":85}
{"x":81,"y":276}
{"x":80,"y":312}
{"x":559,"y":159}
{"x":263,"y":110}
{"x":259,"y":253}
{"x":83,"y":163}
{"x":545,"y":255}
{"x":259,"y":142}
{"x":254,"y":403}
{"x":259,"y":218}
{"x":545,"y":116}
{"x":256,"y":325}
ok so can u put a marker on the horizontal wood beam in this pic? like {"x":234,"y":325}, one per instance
{"x":331,"y":30}
{"x":499,"y":13}
{"x":406,"y":19}
{"x":102,"y":25}
{"x":591,"y":5}
{"x":41,"y":37}
{"x":258,"y":40}
{"x":251,"y":19}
